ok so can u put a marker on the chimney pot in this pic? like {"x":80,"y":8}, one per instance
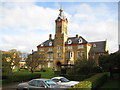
{"x":50,"y":36}
{"x":77,"y":36}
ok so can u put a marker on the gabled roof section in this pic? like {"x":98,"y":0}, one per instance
{"x":75,"y":40}
{"x":47,"y":43}
{"x":98,"y":47}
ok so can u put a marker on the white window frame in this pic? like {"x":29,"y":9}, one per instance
{"x":49,"y":49}
{"x":58,"y":55}
{"x":58,"y":47}
{"x":79,"y":55}
{"x":69,"y":47}
{"x":69,"y":41}
{"x":50,"y":56}
{"x":80,"y":40}
{"x":50,"y":43}
{"x":80,"y":46}
{"x":41,"y":49}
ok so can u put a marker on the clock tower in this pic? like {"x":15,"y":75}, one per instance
{"x":61,"y":36}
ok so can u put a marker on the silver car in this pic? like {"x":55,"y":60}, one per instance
{"x":37,"y":84}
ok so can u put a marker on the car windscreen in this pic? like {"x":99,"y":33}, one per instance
{"x":50,"y":82}
{"x":64,"y":80}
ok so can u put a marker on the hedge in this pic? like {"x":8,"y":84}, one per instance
{"x":19,"y":77}
{"x":91,"y":83}
{"x":76,"y":77}
{"x":98,"y":79}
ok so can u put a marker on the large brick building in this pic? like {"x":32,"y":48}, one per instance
{"x":66,"y":50}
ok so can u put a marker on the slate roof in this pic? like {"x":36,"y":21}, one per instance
{"x":75,"y":40}
{"x":46,"y":43}
{"x":98,"y":47}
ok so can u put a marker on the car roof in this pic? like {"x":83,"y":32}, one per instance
{"x":57,"y":77}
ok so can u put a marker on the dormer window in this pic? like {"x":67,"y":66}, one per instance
{"x":69,"y":41}
{"x":50,"y":43}
{"x":80,"y":40}
{"x":42,"y":45}
{"x":94,"y":45}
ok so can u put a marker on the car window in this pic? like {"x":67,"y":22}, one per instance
{"x":50,"y":82}
{"x":64,"y":80}
{"x":32,"y":83}
{"x":56,"y":80}
{"x":40,"y":83}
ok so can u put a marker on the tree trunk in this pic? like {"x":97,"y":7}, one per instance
{"x":32,"y":71}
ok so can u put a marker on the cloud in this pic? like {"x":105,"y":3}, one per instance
{"x":29,"y":24}
{"x":95,"y":24}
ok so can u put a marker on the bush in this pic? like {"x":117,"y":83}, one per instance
{"x":25,"y":77}
{"x":98,"y":79}
{"x":83,"y":85}
{"x":91,"y":83}
{"x":75,"y":77}
{"x":14,"y":77}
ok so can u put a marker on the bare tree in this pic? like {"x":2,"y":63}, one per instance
{"x":34,"y":60}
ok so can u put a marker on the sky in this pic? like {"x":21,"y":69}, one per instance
{"x":25,"y":25}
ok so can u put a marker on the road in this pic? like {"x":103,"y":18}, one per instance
{"x":11,"y":86}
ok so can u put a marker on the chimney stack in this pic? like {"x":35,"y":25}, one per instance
{"x":119,"y":48}
{"x":50,"y":36}
{"x":77,"y":36}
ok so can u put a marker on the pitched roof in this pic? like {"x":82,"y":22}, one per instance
{"x":98,"y":47}
{"x":47,"y":43}
{"x":75,"y":40}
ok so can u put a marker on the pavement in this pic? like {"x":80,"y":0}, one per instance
{"x":11,"y":86}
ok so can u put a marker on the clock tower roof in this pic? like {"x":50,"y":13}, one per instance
{"x":61,"y":14}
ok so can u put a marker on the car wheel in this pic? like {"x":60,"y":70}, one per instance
{"x":25,"y":89}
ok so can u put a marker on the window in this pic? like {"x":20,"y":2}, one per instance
{"x":41,"y":49}
{"x":69,"y":41}
{"x":83,"y":54}
{"x":79,"y":55}
{"x":40,"y":83}
{"x":58,"y":47}
{"x":42,"y":56}
{"x":42,"y":45}
{"x":69,"y":47}
{"x":56,"y":80}
{"x":50,"y":55}
{"x":32,"y":82}
{"x":69,"y":54}
{"x":94,"y":45}
{"x":80,"y":40}
{"x":58,"y":55}
{"x":49,"y":49}
{"x":80,"y":46}
{"x":50,"y":43}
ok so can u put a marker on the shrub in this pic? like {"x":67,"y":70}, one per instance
{"x":84,"y":84}
{"x":14,"y":77}
{"x":93,"y":82}
{"x":75,"y":77}
{"x":98,"y":79}
{"x":25,"y":77}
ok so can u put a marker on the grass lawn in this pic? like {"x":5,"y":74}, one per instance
{"x":112,"y":83}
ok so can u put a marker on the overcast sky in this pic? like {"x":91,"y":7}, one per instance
{"x":27,"y":24}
